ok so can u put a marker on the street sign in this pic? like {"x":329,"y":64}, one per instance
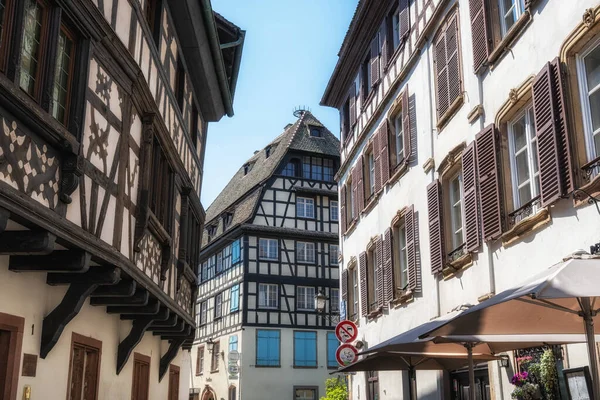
{"x":346,"y":331}
{"x":233,"y":356}
{"x":346,"y":354}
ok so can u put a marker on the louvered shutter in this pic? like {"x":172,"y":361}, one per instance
{"x":441,"y":70}
{"x":436,"y":228}
{"x":404,"y":19}
{"x":479,"y":33}
{"x":549,"y":112}
{"x":342,"y":216}
{"x":354,"y":192}
{"x":454,"y":80}
{"x":470,"y":194}
{"x":489,"y":183}
{"x":377,"y":159}
{"x":414,"y":269}
{"x":406,"y":125}
{"x":388,"y":269}
{"x":352,"y":106}
{"x":383,"y":35}
{"x":375,"y":60}
{"x":345,"y":285}
{"x":379,"y":268}
{"x":364,"y":296}
{"x":343,"y":128}
{"x":385,"y":154}
{"x":360,"y":187}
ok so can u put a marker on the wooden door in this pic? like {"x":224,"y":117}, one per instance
{"x":4,"y":352}
{"x":85,"y":368}
{"x":141,"y":377}
{"x":173,"y":382}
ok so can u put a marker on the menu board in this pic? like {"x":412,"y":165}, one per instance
{"x":578,"y":383}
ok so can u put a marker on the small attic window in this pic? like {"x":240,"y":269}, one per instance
{"x":315,"y":132}
{"x":227,"y":218}
{"x":247,"y":168}
{"x":268,"y":151}
{"x":211,"y":230}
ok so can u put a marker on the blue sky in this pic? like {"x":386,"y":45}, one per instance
{"x":290,"y":51}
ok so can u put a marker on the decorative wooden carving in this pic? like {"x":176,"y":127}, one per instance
{"x":139,"y":298}
{"x":26,"y":243}
{"x":123,"y":288}
{"x":75,"y":261}
{"x":151,"y":308}
{"x":55,"y":322}
{"x":141,"y":223}
{"x":165,"y":360}
{"x":71,"y":171}
{"x":169,"y":322}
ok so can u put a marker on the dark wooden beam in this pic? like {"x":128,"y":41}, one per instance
{"x":138,"y":328}
{"x":26,"y":243}
{"x":98,"y":275}
{"x":165,"y":331}
{"x":168,"y":323}
{"x":171,"y":353}
{"x":175,"y":335}
{"x":74,"y":261}
{"x":150,"y":309}
{"x":55,"y":322}
{"x":4,"y":216}
{"x":123,"y":288}
{"x":156,"y":316}
{"x":139,"y":298}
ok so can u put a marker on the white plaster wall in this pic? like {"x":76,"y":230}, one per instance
{"x":26,"y":295}
{"x":539,"y":43}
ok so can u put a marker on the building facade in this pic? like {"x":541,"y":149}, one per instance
{"x":270,"y":246}
{"x":469,"y":155}
{"x":104,"y":124}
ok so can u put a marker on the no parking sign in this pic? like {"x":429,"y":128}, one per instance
{"x":346,"y":354}
{"x":346,"y":331}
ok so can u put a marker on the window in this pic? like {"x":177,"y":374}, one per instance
{"x":200,"y":361}
{"x":305,"y":252}
{"x":214,"y":359}
{"x":233,"y":343}
{"x":447,"y":69}
{"x":333,"y":254}
{"x":211,"y":231}
{"x":161,"y":187}
{"x":227,"y":258}
{"x":227,"y":218}
{"x":211,"y":267}
{"x":334,"y":300}
{"x":141,"y":377}
{"x":267,"y":348}
{"x":34,"y":42}
{"x":84,"y":369}
{"x":510,"y":11}
{"x":203,"y":312}
{"x":395,"y":22}
{"x":204,"y":272}
{"x":219,"y":262}
{"x":194,"y":127}
{"x":401,"y":256}
{"x":353,"y":294}
{"x":332,"y":345}
{"x":523,"y":159}
{"x":305,"y":298}
{"x":317,"y":168}
{"x":267,"y":151}
{"x":5,"y":17}
{"x":192,"y":238}
{"x":246,"y":169}
{"x":456,"y":211}
{"x":305,"y":207}
{"x":236,"y":255}
{"x":350,"y":200}
{"x":372,"y":385}
{"x":268,"y":249}
{"x":305,"y":349}
{"x":365,"y":86}
{"x":179,"y":83}
{"x":232,"y":393}
{"x":63,"y":74}
{"x":218,"y":305}
{"x":372,"y":287}
{"x":328,"y":171}
{"x":292,"y":168}
{"x":152,"y":15}
{"x":588,"y":69}
{"x":315,"y":132}
{"x":370,"y":175}
{"x":268,"y":295}
{"x":234,"y":298}
{"x":333,"y":211}
{"x":305,"y":394}
{"x":398,"y":139}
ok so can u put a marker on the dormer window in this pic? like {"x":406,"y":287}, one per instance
{"x":267,"y":151}
{"x":315,"y":132}
{"x":247,"y":168}
{"x":227,"y":218}
{"x":211,"y":231}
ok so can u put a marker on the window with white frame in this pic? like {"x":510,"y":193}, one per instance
{"x":305,"y":252}
{"x":353,"y":312}
{"x":334,"y":300}
{"x":399,"y":138}
{"x":588,"y":69}
{"x":267,"y":295}
{"x":268,"y":249}
{"x":203,"y":312}
{"x":510,"y":11}
{"x":456,"y":217}
{"x":371,"y":164}
{"x":401,"y":270}
{"x":305,"y":298}
{"x":333,"y":211}
{"x":523,"y":158}
{"x":218,"y":305}
{"x":305,"y":207}
{"x":333,"y":254}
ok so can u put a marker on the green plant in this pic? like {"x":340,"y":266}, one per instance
{"x":547,"y":373}
{"x":528,"y":391}
{"x":335,"y":389}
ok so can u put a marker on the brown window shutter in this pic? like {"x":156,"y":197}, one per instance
{"x":489,"y":183}
{"x":454,"y":77}
{"x":441,"y":70}
{"x":469,"y":175}
{"x":406,"y":125}
{"x":345,"y":285}
{"x":380,"y":277}
{"x":383,"y":34}
{"x":414,"y":269}
{"x":556,"y":178}
{"x":354,"y":205}
{"x":384,"y":164}
{"x":436,"y":228}
{"x":375,"y":60}
{"x":343,"y":128}
{"x":362,"y":270}
{"x":352,"y":106}
{"x":377,"y":157}
{"x":388,"y":269}
{"x":342,"y":216}
{"x":479,"y":33}
{"x":360,"y":186}
{"x":404,"y":19}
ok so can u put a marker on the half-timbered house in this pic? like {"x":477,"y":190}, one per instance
{"x":469,"y":162}
{"x":104,"y":108}
{"x":269,"y":247}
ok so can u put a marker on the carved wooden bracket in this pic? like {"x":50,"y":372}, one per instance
{"x":169,"y":356}
{"x":141,"y":222}
{"x":71,"y":171}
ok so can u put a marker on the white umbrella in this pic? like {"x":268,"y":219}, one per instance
{"x":561,"y":300}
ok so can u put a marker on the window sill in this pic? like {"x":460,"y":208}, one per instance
{"x":268,"y":259}
{"x":214,"y":371}
{"x":526,"y":226}
{"x":306,"y":218}
{"x":267,"y":308}
{"x":404,"y":297}
{"x":267,"y":366}
{"x":460,"y":264}
{"x":305,"y":367}
{"x":447,"y":116}
{"x":351,"y":227}
{"x":368,"y":100}
{"x":398,"y":171}
{"x":592,"y":188}
{"x":510,"y":36}
{"x":306,"y":262}
{"x":375,"y":313}
{"x":372,"y":201}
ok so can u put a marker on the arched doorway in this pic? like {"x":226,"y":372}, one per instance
{"x":208,"y":394}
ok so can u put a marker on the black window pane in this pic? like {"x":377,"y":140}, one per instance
{"x":30,"y":50}
{"x":62,"y":76}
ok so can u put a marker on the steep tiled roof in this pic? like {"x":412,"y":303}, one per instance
{"x":242,"y":193}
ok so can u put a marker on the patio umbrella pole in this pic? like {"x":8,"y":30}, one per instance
{"x":412,"y":383}
{"x":588,"y":319}
{"x":469,"y":347}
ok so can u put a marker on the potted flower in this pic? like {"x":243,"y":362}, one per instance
{"x":524,"y":390}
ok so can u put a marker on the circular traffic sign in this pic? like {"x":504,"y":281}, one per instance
{"x":233,"y":356}
{"x":346,"y":354}
{"x":346,"y":331}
